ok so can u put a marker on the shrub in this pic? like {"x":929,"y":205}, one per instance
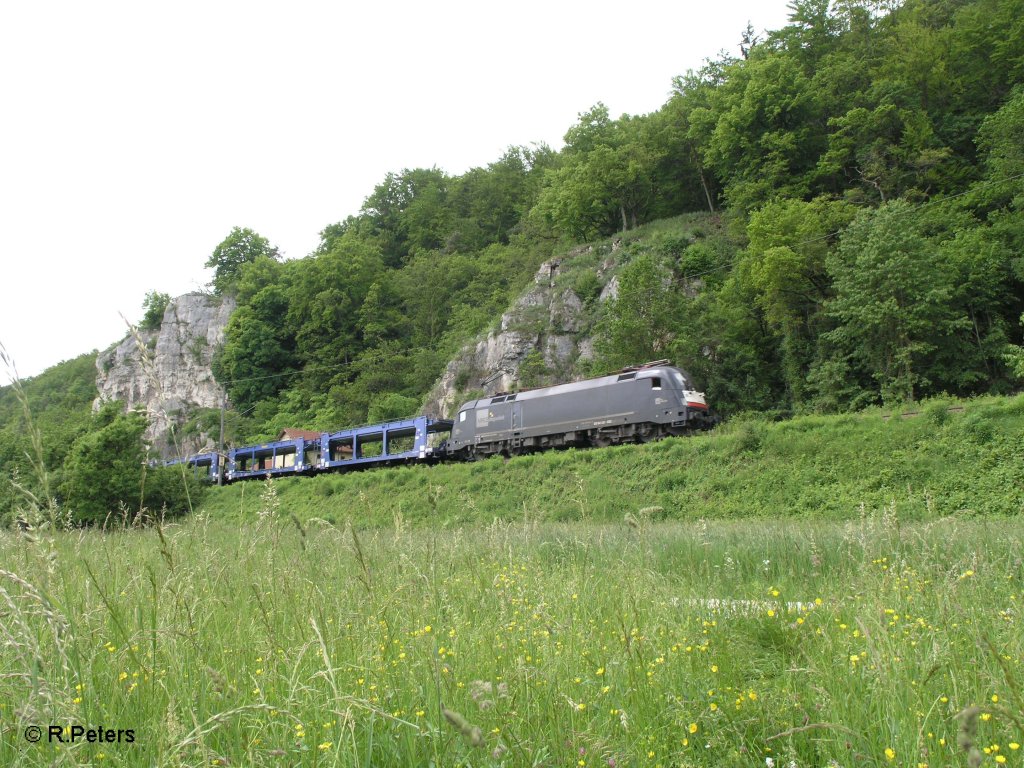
{"x":154,"y":306}
{"x":107,"y":473}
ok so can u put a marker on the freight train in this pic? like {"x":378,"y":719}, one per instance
{"x":634,"y":405}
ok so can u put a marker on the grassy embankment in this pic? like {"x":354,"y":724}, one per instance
{"x":938,"y":463}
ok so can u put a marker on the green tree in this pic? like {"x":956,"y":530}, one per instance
{"x":762,"y":131}
{"x":391,"y":407}
{"x":258,"y":352}
{"x":154,"y":306}
{"x":324,"y":299}
{"x":488,"y":203}
{"x":727,"y":345}
{"x":999,"y":140}
{"x":886,"y":151}
{"x":408,"y":212}
{"x":641,"y":321}
{"x":892,"y":302}
{"x":681,"y":176}
{"x":56,"y":408}
{"x":107,"y":472}
{"x":242,"y":246}
{"x":379,"y":316}
{"x":1014,"y":357}
{"x":785,"y":267}
{"x":607,"y":179}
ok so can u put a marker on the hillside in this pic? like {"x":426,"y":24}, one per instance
{"x":953,"y":458}
{"x":59,"y":402}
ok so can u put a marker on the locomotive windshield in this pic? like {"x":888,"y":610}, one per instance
{"x":686,"y":381}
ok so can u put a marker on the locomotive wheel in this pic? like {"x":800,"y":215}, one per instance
{"x":647,"y":434}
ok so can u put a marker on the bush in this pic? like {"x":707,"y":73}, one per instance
{"x":170,"y":491}
{"x":748,"y":437}
{"x":154,"y":306}
{"x":104,"y":469}
{"x":937,"y":411}
{"x":587,"y":286}
{"x":107,"y":473}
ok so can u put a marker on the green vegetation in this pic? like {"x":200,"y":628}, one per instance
{"x":154,"y":307}
{"x":62,"y":465}
{"x":242,"y":246}
{"x":40,"y":420}
{"x":829,"y":224}
{"x":635,"y":643}
{"x":831,"y":221}
{"x":106,"y":472}
{"x":384,"y":302}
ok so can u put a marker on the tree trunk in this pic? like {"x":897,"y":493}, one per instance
{"x":622,"y":210}
{"x":707,"y":192}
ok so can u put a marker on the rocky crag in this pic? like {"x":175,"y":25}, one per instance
{"x":541,"y":339}
{"x":167,"y":372}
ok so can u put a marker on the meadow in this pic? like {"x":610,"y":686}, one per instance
{"x":282,"y":641}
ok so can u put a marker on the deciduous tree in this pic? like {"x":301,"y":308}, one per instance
{"x":240,"y":247}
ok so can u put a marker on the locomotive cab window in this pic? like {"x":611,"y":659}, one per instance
{"x":656,"y":382}
{"x":462,"y":416}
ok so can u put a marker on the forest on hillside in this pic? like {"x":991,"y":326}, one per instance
{"x":852,"y":188}
{"x":866,"y":161}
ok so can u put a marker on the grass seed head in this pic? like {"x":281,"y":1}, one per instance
{"x":471,"y":733}
{"x":965,"y":737}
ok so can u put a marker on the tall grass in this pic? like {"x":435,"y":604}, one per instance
{"x":517,"y":644}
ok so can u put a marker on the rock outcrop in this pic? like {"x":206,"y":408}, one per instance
{"x":545,"y":330}
{"x":167,"y":372}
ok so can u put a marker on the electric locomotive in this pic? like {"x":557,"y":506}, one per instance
{"x":636,"y":404}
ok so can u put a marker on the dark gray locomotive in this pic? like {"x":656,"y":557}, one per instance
{"x":634,"y":405}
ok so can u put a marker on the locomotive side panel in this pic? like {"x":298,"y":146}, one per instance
{"x":573,"y":411}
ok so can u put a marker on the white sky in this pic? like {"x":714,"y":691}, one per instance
{"x":135,"y":135}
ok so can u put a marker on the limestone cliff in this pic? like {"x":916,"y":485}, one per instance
{"x":167,"y":372}
{"x":541,"y":339}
